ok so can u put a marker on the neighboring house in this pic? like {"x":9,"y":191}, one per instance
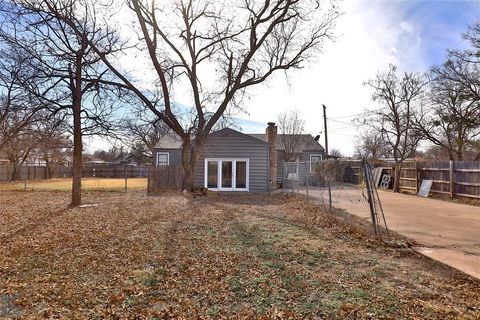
{"x":235,"y":161}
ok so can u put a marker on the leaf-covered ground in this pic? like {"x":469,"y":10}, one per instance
{"x":217,"y":256}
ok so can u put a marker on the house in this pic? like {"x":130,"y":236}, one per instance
{"x":235,"y":161}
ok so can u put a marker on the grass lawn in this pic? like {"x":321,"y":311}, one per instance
{"x":217,"y":256}
{"x":88,"y":184}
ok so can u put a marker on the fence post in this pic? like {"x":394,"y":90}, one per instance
{"x":26,"y":178}
{"x":125,"y":175}
{"x":452,"y":181}
{"x":148,"y":180}
{"x":330,"y":207}
{"x":308,"y":173}
{"x":368,"y":183}
{"x":416,"y":177}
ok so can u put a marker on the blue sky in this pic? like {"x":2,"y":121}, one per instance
{"x":438,"y":23}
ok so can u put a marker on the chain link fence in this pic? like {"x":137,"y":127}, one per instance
{"x":338,"y":185}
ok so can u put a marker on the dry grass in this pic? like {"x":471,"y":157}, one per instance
{"x":218,"y":256}
{"x":88,"y":184}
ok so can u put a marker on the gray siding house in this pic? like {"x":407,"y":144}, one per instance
{"x":235,"y":161}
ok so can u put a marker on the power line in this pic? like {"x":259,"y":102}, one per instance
{"x":356,"y":114}
{"x":343,"y":122}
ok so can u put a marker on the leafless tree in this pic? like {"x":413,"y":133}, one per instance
{"x":113,"y":154}
{"x":335,"y":153}
{"x":452,"y":122}
{"x":218,"y":49}
{"x":370,"y":145}
{"x":452,"y":118}
{"x":19,"y":147}
{"x":292,"y":129}
{"x":17,"y":108}
{"x":143,"y":135}
{"x":54,"y":146}
{"x":70,"y":80}
{"x":400,"y":98}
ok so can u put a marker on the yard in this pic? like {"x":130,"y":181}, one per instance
{"x":88,"y":184}
{"x":248,"y":256}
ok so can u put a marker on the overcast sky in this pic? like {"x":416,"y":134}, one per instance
{"x":414,"y":35}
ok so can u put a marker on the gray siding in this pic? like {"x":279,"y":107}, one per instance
{"x":228,"y":143}
{"x":175,"y":156}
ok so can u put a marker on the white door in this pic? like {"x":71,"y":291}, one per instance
{"x":226,"y":174}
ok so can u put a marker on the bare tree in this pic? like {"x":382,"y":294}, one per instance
{"x":113,"y":154}
{"x":400,"y":98}
{"x":452,"y":119}
{"x":54,"y":146}
{"x":370,"y":145}
{"x":70,"y":80}
{"x":18,"y":109}
{"x":218,"y":49}
{"x":335,"y":153}
{"x":19,"y":147}
{"x":143,"y":135}
{"x":292,"y":129}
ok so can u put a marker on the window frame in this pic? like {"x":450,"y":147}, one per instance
{"x":311,"y":161}
{"x":162,"y":153}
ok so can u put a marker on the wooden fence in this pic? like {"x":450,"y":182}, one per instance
{"x":162,"y":178}
{"x":31,"y":172}
{"x":99,"y":171}
{"x":114,"y":171}
{"x":452,"y":178}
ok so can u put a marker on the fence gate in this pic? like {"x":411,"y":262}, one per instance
{"x":336,"y":184}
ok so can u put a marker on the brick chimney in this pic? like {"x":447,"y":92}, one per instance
{"x":271,"y":132}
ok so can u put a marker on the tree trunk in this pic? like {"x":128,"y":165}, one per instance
{"x":77,"y":156}
{"x":396,"y":177}
{"x":460,"y":155}
{"x":16,"y":171}
{"x":48,"y":173}
{"x":190,"y":153}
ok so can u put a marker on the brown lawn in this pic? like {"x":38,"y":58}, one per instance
{"x":218,"y":256}
{"x":88,"y":184}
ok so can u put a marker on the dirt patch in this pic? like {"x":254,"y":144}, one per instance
{"x":214,"y":256}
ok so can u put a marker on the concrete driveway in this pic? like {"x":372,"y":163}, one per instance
{"x":448,"y":232}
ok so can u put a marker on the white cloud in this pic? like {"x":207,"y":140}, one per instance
{"x":371,"y":35}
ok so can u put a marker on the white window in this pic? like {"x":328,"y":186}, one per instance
{"x":314,"y":158}
{"x":227,"y":174}
{"x":163,"y":159}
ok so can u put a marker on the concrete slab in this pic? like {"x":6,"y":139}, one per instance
{"x":468,"y":263}
{"x":448,"y":232}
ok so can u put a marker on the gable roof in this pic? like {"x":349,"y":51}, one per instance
{"x":307,"y":140}
{"x":170,"y":141}
{"x":249,"y":136}
{"x":173,"y":141}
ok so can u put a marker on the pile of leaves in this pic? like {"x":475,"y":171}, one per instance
{"x":215,"y":256}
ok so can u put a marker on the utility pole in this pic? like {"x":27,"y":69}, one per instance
{"x":326,"y":156}
{"x":326,"y":131}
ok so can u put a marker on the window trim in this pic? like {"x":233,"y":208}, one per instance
{"x":163,"y":153}
{"x":234,"y":174}
{"x":315,"y":155}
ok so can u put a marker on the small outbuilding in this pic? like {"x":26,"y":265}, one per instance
{"x":235,"y":161}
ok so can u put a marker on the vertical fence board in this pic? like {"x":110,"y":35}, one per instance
{"x":163,"y":178}
{"x":452,"y":178}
